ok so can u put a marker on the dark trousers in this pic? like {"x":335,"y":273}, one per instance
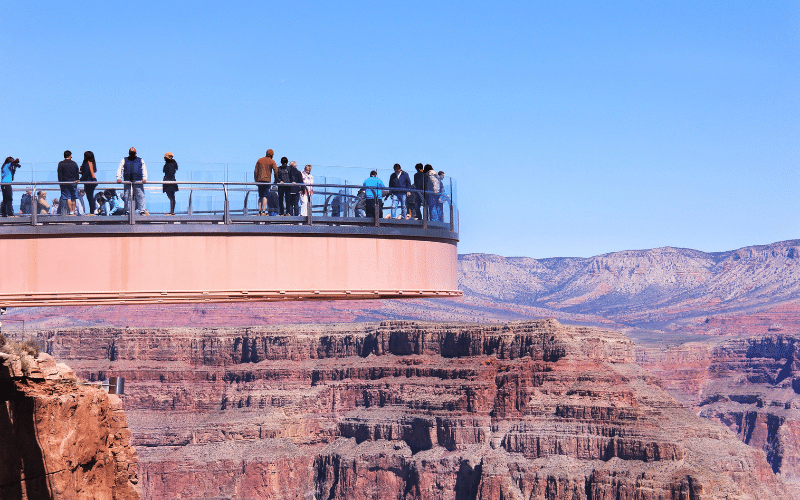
{"x":294,"y":204}
{"x":415,"y":205}
{"x":373,"y":205}
{"x":89,"y":188}
{"x":6,"y":210}
{"x":284,"y":199}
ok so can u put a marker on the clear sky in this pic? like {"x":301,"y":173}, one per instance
{"x":572,"y":128}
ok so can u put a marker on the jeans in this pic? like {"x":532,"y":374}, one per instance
{"x":415,"y":204}
{"x":6,"y":209}
{"x":434,"y":212}
{"x":138,"y":195}
{"x":399,"y":202}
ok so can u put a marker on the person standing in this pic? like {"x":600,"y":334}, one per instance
{"x":170,"y":167}
{"x":41,"y":203}
{"x":419,"y":185}
{"x":26,"y":204}
{"x":372,"y":188}
{"x":89,"y":173}
{"x":401,"y":183}
{"x":305,"y":199}
{"x":132,"y":169}
{"x":68,"y":175}
{"x":7,"y":171}
{"x":432,"y":193}
{"x":296,"y":189}
{"x":265,"y":169}
{"x":283,"y":177}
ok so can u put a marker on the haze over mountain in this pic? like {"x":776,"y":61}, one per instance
{"x":645,"y":288}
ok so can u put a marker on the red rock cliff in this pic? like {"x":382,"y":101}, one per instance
{"x":407,"y":410}
{"x":60,"y":439}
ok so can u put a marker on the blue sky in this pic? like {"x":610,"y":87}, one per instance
{"x":572,"y":128}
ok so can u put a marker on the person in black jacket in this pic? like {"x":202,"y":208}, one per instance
{"x":284,"y":177}
{"x":401,"y":183}
{"x":89,"y":173}
{"x":419,"y":183}
{"x":170,"y":167}
{"x":68,"y":173}
{"x":297,"y":187}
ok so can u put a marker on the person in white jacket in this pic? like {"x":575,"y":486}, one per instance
{"x":305,"y":198}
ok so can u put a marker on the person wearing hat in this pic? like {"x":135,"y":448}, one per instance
{"x":265,"y":168}
{"x":26,"y":204}
{"x":170,"y":167}
{"x":68,"y":175}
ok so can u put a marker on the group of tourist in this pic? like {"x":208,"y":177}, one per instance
{"x":132,"y":169}
{"x":290,"y":194}
{"x":282,"y":190}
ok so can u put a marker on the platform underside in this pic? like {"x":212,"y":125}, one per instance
{"x":56,"y":268}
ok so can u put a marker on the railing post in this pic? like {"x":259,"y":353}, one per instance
{"x":375,"y":210}
{"x":131,"y":205}
{"x":452,"y":224}
{"x":227,"y":217}
{"x":189,"y":208}
{"x":425,"y":210}
{"x":34,"y":206}
{"x":309,"y":207}
{"x":246,"y":196}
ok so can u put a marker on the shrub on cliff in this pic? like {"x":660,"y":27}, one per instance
{"x":18,"y":348}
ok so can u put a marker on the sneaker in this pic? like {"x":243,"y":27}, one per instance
{"x":144,"y":212}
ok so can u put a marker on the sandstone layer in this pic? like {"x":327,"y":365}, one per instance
{"x":751,"y":385}
{"x":407,"y":410}
{"x":60,"y":439}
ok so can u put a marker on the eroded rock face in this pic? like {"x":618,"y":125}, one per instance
{"x":408,"y":410}
{"x":751,"y":385}
{"x":60,"y":439}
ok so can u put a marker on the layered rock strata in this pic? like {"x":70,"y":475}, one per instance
{"x":751,"y":385}
{"x":407,"y":410}
{"x":60,"y":439}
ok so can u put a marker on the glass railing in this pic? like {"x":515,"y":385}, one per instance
{"x":332,"y":201}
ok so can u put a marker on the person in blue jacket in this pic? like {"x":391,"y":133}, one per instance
{"x":373,"y":195}
{"x":9,"y":168}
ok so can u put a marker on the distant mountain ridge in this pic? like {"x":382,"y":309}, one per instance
{"x":641,"y":287}
{"x":753,"y":289}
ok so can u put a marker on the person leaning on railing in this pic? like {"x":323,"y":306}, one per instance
{"x":372,"y":187}
{"x":265,"y":168}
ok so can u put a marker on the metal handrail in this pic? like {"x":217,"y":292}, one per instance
{"x":226,"y":187}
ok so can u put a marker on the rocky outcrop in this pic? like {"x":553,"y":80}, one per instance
{"x":60,"y":439}
{"x":751,"y":385}
{"x":408,"y":410}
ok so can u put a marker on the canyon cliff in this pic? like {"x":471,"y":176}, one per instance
{"x":408,"y":410}
{"x":60,"y":439}
{"x":751,"y":385}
